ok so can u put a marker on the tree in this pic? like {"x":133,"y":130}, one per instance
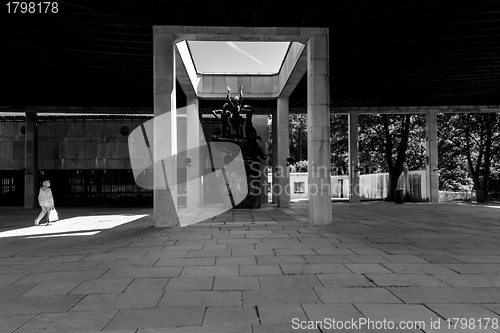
{"x":385,"y":140}
{"x":472,"y":142}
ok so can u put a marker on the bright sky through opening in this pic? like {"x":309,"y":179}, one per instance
{"x":238,"y":57}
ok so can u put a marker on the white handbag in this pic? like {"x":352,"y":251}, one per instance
{"x":53,"y":216}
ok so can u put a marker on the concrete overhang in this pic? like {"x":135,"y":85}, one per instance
{"x":255,"y":86}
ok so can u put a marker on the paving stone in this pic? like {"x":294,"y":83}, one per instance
{"x":248,"y":252}
{"x":272,"y":246}
{"x":342,"y":312}
{"x":185,"y":247}
{"x":149,"y":272}
{"x":332,"y":251}
{"x":203,"y":298}
{"x":449,"y":311}
{"x":185,"y":262}
{"x":366,"y":259}
{"x":344,"y":280}
{"x":230,"y":261}
{"x":236,"y":283}
{"x":327,"y":259}
{"x":21,"y":260}
{"x":231,"y":315}
{"x":406,"y":280}
{"x":411,"y":314}
{"x":122,"y":263}
{"x":74,"y":276}
{"x":278,"y":260}
{"x":473,"y":268}
{"x":200,"y":271}
{"x":63,"y":258}
{"x":117,"y":301}
{"x":314,"y":269}
{"x":147,"y":285}
{"x":278,"y":328}
{"x":76,"y":266}
{"x":215,"y":328}
{"x":280,"y":313}
{"x":190,"y":283}
{"x":356,"y":295}
{"x":38,"y":304}
{"x":157,"y":317}
{"x":52,"y":288}
{"x":12,"y":322}
{"x":294,"y":295}
{"x":68,"y":322}
{"x":471,"y":280}
{"x":432,"y":269}
{"x":10,"y":278}
{"x":367,"y":268}
{"x":289,"y":281}
{"x":446,"y":295}
{"x":260,"y":270}
{"x":438,"y":259}
{"x":166,"y":254}
{"x":101,"y":286}
{"x":12,"y":291}
{"x":209,"y":253}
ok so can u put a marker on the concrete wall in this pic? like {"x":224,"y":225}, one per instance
{"x":69,"y":144}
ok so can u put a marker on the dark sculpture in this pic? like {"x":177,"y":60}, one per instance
{"x":232,"y":122}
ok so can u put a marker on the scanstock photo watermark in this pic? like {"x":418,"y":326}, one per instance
{"x":165,"y":156}
{"x":485,"y":324}
{"x":158,"y":156}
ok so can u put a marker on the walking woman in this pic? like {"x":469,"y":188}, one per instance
{"x":46,"y":201}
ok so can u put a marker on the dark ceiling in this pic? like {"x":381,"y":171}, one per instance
{"x":382,"y":53}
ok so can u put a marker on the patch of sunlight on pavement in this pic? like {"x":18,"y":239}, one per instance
{"x":74,"y":226}
{"x":479,"y":205}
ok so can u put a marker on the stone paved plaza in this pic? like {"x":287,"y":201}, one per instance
{"x":260,"y":271}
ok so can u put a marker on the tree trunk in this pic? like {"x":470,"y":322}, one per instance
{"x":396,"y":169}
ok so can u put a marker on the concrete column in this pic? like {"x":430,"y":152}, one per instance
{"x":260,"y":124}
{"x":432,"y":172}
{"x":274,"y":134}
{"x":318,"y":130}
{"x":31,"y":161}
{"x":283,"y":152}
{"x":353,"y":158}
{"x":194,"y":134}
{"x":165,"y":132}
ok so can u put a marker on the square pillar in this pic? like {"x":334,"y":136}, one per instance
{"x":260,"y":124}
{"x":283,"y":152}
{"x":318,"y":129}
{"x":432,"y":171}
{"x":274,"y":135}
{"x":354,"y":190}
{"x":31,"y":161}
{"x":165,"y":131}
{"x":194,"y":136}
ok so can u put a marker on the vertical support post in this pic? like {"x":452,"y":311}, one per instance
{"x":31,"y":161}
{"x":274,"y":134}
{"x":194,"y":133}
{"x":260,"y":124}
{"x":283,"y":152}
{"x":165,"y":131}
{"x":432,"y":171}
{"x":318,"y":129}
{"x":354,"y":189}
